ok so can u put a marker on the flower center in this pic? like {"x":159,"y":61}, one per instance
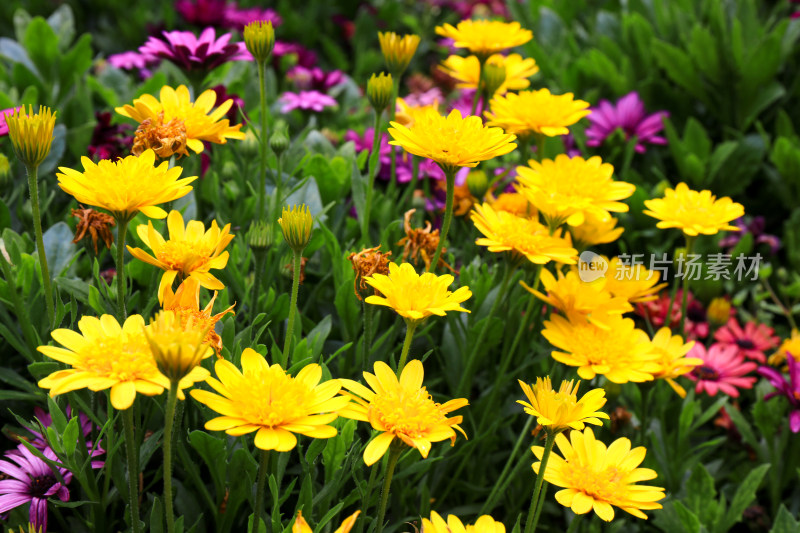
{"x":605,"y":485}
{"x":39,"y":485}
{"x":745,"y":344}
{"x":184,"y":256}
{"x":271,"y":397}
{"x":123,"y":358}
{"x":408,"y":412}
{"x":706,"y":373}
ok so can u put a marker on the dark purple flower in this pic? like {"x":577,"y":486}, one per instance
{"x":238,"y":104}
{"x":306,"y":100}
{"x":628,"y":115}
{"x":109,"y":141}
{"x":316,"y":79}
{"x":302,"y":56}
{"x":196,"y":53}
{"x":237,"y":19}
{"x":202,"y":12}
{"x":756,"y":227}
{"x":29,"y":479}
{"x":40,"y":442}
{"x":3,"y":114}
{"x":789,"y":389}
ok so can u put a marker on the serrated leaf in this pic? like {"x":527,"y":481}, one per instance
{"x":742,"y":498}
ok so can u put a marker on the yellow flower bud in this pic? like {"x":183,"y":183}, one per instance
{"x":718,"y":312}
{"x":296,"y":223}
{"x":31,"y":134}
{"x":397,"y":51}
{"x":5,"y":170}
{"x":259,"y":37}
{"x":379,"y":91}
{"x":493,"y":76}
{"x":177,"y":349}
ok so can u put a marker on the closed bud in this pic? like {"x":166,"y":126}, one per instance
{"x":493,"y":76}
{"x":279,"y":140}
{"x":177,"y":349}
{"x":379,"y":91}
{"x":31,"y":134}
{"x":397,"y":51}
{"x":477,"y":183}
{"x":296,"y":223}
{"x":259,"y":236}
{"x":250,"y":146}
{"x":718,"y":312}
{"x":5,"y":171}
{"x":259,"y":37}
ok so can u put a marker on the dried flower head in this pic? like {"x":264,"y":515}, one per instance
{"x":366,"y":263}
{"x":165,"y":139}
{"x":96,"y":223}
{"x":420,"y":243}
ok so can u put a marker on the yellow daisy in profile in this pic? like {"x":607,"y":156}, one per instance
{"x":407,"y":114}
{"x":621,"y":353}
{"x":593,"y":477}
{"x":400,"y":409}
{"x":485,"y":37}
{"x":514,"y":203}
{"x":539,"y":112}
{"x":416,"y":297}
{"x":266,"y":399}
{"x":693,"y":212}
{"x":126,"y":186}
{"x":451,"y":141}
{"x":635,"y":283}
{"x":568,"y":189}
{"x":672,"y":358}
{"x":522,"y":236}
{"x":106,"y":355}
{"x":594,"y":231}
{"x":559,"y":410}
{"x":31,"y":133}
{"x":576,"y":298}
{"x":201,"y":121}
{"x":467,"y":71}
{"x":484,"y":524}
{"x":397,"y":50}
{"x":185,"y":303}
{"x":190,"y":252}
{"x":301,"y":526}
{"x":177,"y":347}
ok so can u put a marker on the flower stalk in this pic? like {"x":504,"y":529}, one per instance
{"x":261,"y":478}
{"x":535,"y":509}
{"x":169,"y":421}
{"x":287,"y":343}
{"x":133,"y":470}
{"x":394,"y":455}
{"x":411,"y":326}
{"x":33,"y":185}
{"x":122,"y":231}
{"x":685,"y":285}
{"x":450,"y":176}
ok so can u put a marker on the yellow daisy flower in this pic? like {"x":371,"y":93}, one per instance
{"x":189,"y":252}
{"x":106,"y":355}
{"x":467,"y":71}
{"x":595,"y":477}
{"x":567,"y":189}
{"x":401,"y":409}
{"x":621,"y":353}
{"x":522,"y":236}
{"x":201,"y":123}
{"x":406,"y":114}
{"x":485,"y":37}
{"x":693,"y":212}
{"x":266,"y":399}
{"x":559,"y":410}
{"x":185,"y":303}
{"x":416,"y":297}
{"x":451,"y":141}
{"x":536,"y":112}
{"x":484,"y":524}
{"x":514,"y":203}
{"x":635,"y":283}
{"x":301,"y":526}
{"x":177,"y":347}
{"x":672,"y":358}
{"x":788,"y":346}
{"x":126,"y":186}
{"x":594,"y":231}
{"x":575,"y":298}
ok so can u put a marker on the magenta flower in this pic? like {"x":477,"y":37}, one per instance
{"x":3,"y":114}
{"x":751,"y":342}
{"x":307,"y":79}
{"x":195,"y":53}
{"x":237,"y":19}
{"x":29,"y":479}
{"x":142,"y":63}
{"x":109,"y":141}
{"x":628,"y":115}
{"x":723,"y":369}
{"x":307,"y":101}
{"x":423,"y":98}
{"x":303,"y":56}
{"x":788,"y":389}
{"x":756,"y":227}
{"x":40,"y":442}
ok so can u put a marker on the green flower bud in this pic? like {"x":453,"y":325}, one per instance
{"x":477,"y":183}
{"x":296,"y":223}
{"x":493,"y":76}
{"x":259,"y":37}
{"x":279,"y":140}
{"x":249,"y":146}
{"x":379,"y":91}
{"x":5,"y":171}
{"x":259,"y":236}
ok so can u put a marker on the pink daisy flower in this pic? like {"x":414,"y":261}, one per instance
{"x":723,"y":370}
{"x":751,"y":342}
{"x":629,"y":116}
{"x":307,"y":101}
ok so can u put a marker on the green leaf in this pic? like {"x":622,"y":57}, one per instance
{"x":785,"y":522}
{"x":41,"y":42}
{"x":745,"y":494}
{"x":59,"y":248}
{"x":701,"y":496}
{"x":680,"y":69}
{"x":69,"y":437}
{"x":63,"y":23}
{"x":702,"y":49}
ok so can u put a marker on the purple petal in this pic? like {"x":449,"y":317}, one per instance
{"x":11,"y":501}
{"x":794,"y":421}
{"x":38,"y":513}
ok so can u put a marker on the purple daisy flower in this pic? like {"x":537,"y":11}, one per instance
{"x":108,"y":142}
{"x":789,"y":389}
{"x":630,"y":116}
{"x":303,"y":56}
{"x":307,"y":101}
{"x":237,"y":19}
{"x":306,"y":79}
{"x":31,"y":480}
{"x":133,"y":60}
{"x":40,"y":442}
{"x":756,"y":227}
{"x":195,"y":53}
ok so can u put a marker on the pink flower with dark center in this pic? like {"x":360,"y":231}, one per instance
{"x":109,"y":141}
{"x":237,"y":19}
{"x":29,"y":479}
{"x":237,"y":109}
{"x":195,"y":53}
{"x":3,"y":114}
{"x":789,"y":389}
{"x":628,"y":115}
{"x":307,"y":101}
{"x":696,"y":319}
{"x":316,"y":79}
{"x":659,"y":314}
{"x":724,"y":369}
{"x":751,"y":342}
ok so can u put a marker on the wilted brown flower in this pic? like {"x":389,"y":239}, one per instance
{"x":366,"y":263}
{"x":421,"y":243}
{"x":165,"y":140}
{"x":96,"y":223}
{"x":620,"y":417}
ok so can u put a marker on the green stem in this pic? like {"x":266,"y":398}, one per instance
{"x":33,"y":185}
{"x":169,"y":420}
{"x":411,"y":325}
{"x":539,"y":506}
{"x":523,"y":326}
{"x":373,"y":473}
{"x":575,"y":525}
{"x":259,"y":256}
{"x":287,"y":344}
{"x":540,"y":140}
{"x":466,"y":376}
{"x":133,"y":470}
{"x":501,"y":483}
{"x":22,"y":316}
{"x":258,"y":505}
{"x":478,"y":88}
{"x":122,"y":231}
{"x":368,"y":317}
{"x":685,"y":284}
{"x":394,"y":455}
{"x":373,"y":160}
{"x":262,"y":174}
{"x":409,"y":192}
{"x":392,"y":113}
{"x":537,"y":489}
{"x":450,"y":175}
